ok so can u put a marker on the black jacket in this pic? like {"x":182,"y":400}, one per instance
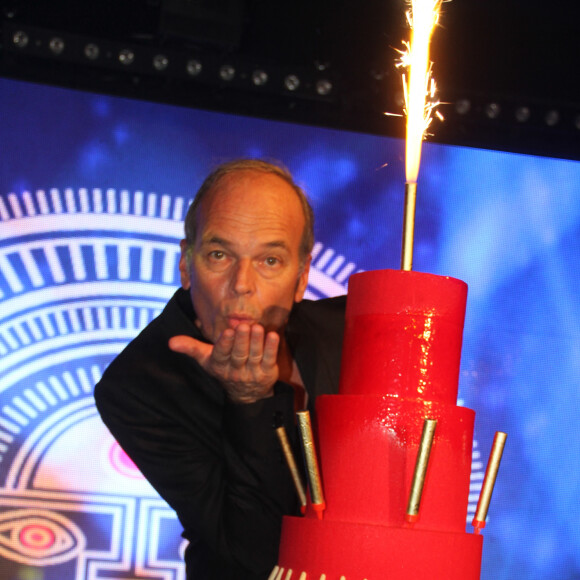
{"x":218,"y":465}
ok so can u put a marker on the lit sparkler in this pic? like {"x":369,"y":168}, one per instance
{"x":420,"y":102}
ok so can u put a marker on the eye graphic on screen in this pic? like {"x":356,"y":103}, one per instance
{"x":39,"y":537}
{"x":81,"y":272}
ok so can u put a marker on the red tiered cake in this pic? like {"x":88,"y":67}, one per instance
{"x":400,"y":366}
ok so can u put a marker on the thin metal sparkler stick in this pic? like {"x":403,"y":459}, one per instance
{"x":495,"y":456}
{"x":408,"y":226}
{"x":316,"y":493}
{"x":291,"y":462}
{"x":420,"y":473}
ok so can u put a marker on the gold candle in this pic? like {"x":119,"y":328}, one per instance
{"x":408,"y":226}
{"x":489,"y":481}
{"x":290,"y":461}
{"x":309,"y":449}
{"x":420,"y":470}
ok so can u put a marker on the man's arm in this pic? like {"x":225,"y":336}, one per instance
{"x":219,"y":466}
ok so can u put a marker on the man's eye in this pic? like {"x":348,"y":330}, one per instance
{"x":217,"y":255}
{"x":271,"y":261}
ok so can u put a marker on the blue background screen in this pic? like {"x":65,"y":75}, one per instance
{"x":93,"y":190}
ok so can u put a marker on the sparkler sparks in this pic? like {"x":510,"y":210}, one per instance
{"x":419,"y":91}
{"x":419,"y":87}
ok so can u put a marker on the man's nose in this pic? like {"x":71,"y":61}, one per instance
{"x":244,"y":277}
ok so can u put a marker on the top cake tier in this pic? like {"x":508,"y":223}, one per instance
{"x":403,"y":335}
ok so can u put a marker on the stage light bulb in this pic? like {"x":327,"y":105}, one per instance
{"x":56,"y":45}
{"x":227,"y":72}
{"x":522,"y":114}
{"x":160,"y":62}
{"x":492,"y":110}
{"x":291,"y":82}
{"x":377,"y":75}
{"x":20,"y":39}
{"x":126,"y":56}
{"x":463,"y":106}
{"x":323,"y":87}
{"x":552,"y":118}
{"x":92,"y":51}
{"x":259,"y":77}
{"x":193,"y":67}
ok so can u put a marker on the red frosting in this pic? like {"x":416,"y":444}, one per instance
{"x":403,"y":335}
{"x":400,"y":366}
{"x":368,"y":446}
{"x":369,"y":552}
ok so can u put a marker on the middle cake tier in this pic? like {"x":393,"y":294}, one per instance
{"x":368,"y":446}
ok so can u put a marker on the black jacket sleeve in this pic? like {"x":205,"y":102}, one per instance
{"x":218,"y":465}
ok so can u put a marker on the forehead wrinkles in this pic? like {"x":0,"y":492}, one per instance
{"x":244,"y":213}
{"x":252,"y":203}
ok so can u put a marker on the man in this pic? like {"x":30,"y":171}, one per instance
{"x":194,"y":400}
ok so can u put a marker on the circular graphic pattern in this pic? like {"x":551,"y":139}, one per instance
{"x":81,"y":273}
{"x":37,"y":537}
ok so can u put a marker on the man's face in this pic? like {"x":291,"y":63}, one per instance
{"x":245,"y":264}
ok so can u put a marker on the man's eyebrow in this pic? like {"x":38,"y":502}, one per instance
{"x":217,"y":241}
{"x":277,"y":244}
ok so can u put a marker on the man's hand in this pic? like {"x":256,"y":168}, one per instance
{"x":242,"y":360}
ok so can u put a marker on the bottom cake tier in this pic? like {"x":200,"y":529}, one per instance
{"x":331,"y":550}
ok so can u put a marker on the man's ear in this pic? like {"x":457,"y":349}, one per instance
{"x":303,"y":280}
{"x":184,"y":266}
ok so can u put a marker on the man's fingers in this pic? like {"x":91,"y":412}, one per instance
{"x":270,"y":354}
{"x":243,"y":359}
{"x":222,"y":350}
{"x":256,"y":345}
{"x":241,"y":346}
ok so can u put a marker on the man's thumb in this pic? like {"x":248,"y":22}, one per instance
{"x":197,"y":350}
